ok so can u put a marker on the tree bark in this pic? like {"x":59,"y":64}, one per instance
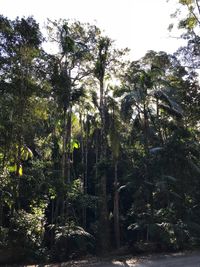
{"x":116,"y":208}
{"x":64,"y":137}
{"x":86,"y":170}
{"x":104,"y":221}
{"x":69,"y":128}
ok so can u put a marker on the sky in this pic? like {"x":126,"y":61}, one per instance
{"x":140,"y":25}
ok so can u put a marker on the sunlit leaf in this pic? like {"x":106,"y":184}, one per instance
{"x":12,"y":168}
{"x":20,"y":170}
{"x":74,"y":144}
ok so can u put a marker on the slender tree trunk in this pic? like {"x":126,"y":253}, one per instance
{"x":158,"y":123}
{"x":1,"y":209}
{"x":52,"y":222}
{"x":22,"y":101}
{"x":116,"y":208}
{"x":69,"y":128}
{"x":86,"y":170}
{"x":18,"y":163}
{"x":147,"y":176}
{"x":57,"y":205}
{"x":96,"y":168}
{"x":64,"y":145}
{"x":63,"y":165}
{"x":83,"y":168}
{"x":1,"y":196}
{"x":104,"y":221}
{"x":104,"y":233}
{"x":96,"y":155}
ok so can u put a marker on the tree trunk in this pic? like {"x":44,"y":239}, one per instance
{"x":69,"y":128}
{"x":104,"y":221}
{"x":63,"y":164}
{"x":116,"y":209}
{"x":96,"y":169}
{"x":83,"y":168}
{"x":86,"y":171}
{"x":147,"y":176}
{"x":64,"y":137}
{"x":1,"y":209}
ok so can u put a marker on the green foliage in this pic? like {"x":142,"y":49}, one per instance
{"x":25,"y":236}
{"x":74,"y":145}
{"x":27,"y":229}
{"x":75,"y":190}
{"x":3,"y":237}
{"x":188,"y":23}
{"x":186,"y":2}
{"x":72,"y":241}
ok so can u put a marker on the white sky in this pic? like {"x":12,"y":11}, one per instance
{"x":140,"y":25}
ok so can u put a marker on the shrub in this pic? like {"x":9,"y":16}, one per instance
{"x":26,"y":234}
{"x":72,"y":241}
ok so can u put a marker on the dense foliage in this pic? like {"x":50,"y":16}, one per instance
{"x":96,"y":152}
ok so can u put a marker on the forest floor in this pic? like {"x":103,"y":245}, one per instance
{"x":182,"y":259}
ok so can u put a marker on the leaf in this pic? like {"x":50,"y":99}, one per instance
{"x":149,"y":183}
{"x":171,"y":111}
{"x":171,"y":26}
{"x":1,"y":156}
{"x":169,"y":177}
{"x":74,"y":144}
{"x":124,"y":186}
{"x":155,"y":149}
{"x":171,"y":104}
{"x":188,"y":23}
{"x":12,"y":168}
{"x":26,"y":153}
{"x":20,"y":170}
{"x":134,"y":226}
{"x":186,"y":2}
{"x":30,"y":153}
{"x":191,"y":22}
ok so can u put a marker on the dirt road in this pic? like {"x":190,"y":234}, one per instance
{"x":176,"y":261}
{"x":187,"y":259}
{"x":173,"y":260}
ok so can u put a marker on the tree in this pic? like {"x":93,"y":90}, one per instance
{"x":70,"y":67}
{"x":20,"y":54}
{"x":107,"y":61}
{"x":188,"y":17}
{"x":151,"y":95}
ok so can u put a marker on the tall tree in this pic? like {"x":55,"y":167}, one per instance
{"x":20,"y":57}
{"x":107,"y":62}
{"x":71,"y":66}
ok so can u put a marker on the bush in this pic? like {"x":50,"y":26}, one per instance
{"x":25,"y":235}
{"x":72,"y":241}
{"x":162,"y":236}
{"x":3,"y":237}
